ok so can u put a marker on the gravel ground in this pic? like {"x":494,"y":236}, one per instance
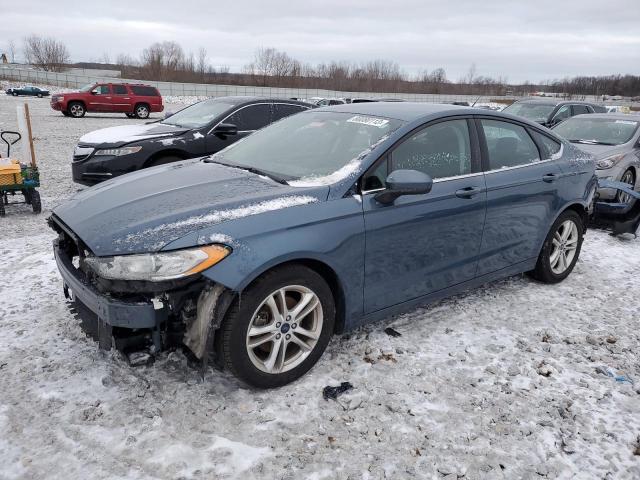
{"x":508,"y":381}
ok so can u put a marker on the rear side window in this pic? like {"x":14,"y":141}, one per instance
{"x":508,"y":144}
{"x":441,"y":150}
{"x":550,"y":147}
{"x":281,"y":110}
{"x":580,"y":109}
{"x":144,"y":91}
{"x":119,"y":90}
{"x":253,"y":117}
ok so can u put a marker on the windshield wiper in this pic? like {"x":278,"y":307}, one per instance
{"x":257,"y":171}
{"x":590,"y":142}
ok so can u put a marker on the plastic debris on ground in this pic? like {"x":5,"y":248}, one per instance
{"x":332,"y":393}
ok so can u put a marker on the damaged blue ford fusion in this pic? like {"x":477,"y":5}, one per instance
{"x":254,"y":257}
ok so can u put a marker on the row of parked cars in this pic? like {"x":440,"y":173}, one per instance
{"x":253,"y":253}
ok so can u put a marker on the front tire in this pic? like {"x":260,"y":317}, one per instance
{"x":65,"y":113}
{"x":561,"y":249}
{"x":76,"y":110}
{"x":280,"y":329}
{"x":628,"y":177}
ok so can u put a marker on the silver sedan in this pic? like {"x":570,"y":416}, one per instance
{"x":614,"y":139}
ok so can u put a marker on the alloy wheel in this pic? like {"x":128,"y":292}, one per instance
{"x":76,"y":110}
{"x":284,"y":329}
{"x":564,"y":245}
{"x":627,"y":178}
{"x":142,"y":112}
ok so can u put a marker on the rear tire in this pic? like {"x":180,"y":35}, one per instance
{"x":141,"y":111}
{"x":561,"y":249}
{"x":39,"y":95}
{"x":299,"y":340}
{"x":76,"y":109}
{"x":36,"y":203}
{"x":15,"y":94}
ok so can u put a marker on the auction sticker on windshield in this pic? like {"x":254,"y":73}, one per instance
{"x":373,"y":121}
{"x":627,"y":122}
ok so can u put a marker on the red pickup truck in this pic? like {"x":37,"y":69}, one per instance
{"x":134,"y":100}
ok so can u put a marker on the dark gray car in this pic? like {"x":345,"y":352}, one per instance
{"x":549,"y":111}
{"x":614,"y":139}
{"x":203,"y":128}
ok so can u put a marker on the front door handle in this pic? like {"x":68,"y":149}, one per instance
{"x":549,"y":177}
{"x":468,"y":192}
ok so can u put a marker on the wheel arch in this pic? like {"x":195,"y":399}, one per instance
{"x":171,"y":152}
{"x":77,"y":100}
{"x":328,"y":274}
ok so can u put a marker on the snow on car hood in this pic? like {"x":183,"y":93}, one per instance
{"x":116,"y":136}
{"x":146,"y":210}
{"x":602,"y":151}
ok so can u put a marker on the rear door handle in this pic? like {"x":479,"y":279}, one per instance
{"x":468,"y":192}
{"x":549,"y":177}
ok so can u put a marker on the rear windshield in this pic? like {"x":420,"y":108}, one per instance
{"x":600,"y":131}
{"x":531,"y":111}
{"x":144,"y":91}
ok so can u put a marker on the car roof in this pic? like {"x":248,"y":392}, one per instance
{"x":239,"y":100}
{"x":407,"y":111}
{"x":552,"y":101}
{"x":610,"y":116}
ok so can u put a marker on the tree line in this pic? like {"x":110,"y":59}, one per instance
{"x":168,"y":61}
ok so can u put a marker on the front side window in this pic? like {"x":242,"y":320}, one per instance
{"x":580,"y":109}
{"x":563,"y":113}
{"x":315,"y":146}
{"x":102,"y":90}
{"x":281,"y":110}
{"x":250,"y":118}
{"x":508,"y":144}
{"x":441,"y":150}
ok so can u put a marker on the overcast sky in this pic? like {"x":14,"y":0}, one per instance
{"x":519,"y":39}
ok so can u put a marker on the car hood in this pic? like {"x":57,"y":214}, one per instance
{"x":601,"y":151}
{"x":117,"y":136}
{"x":144,"y":211}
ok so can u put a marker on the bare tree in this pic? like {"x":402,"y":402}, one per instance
{"x":12,"y":50}
{"x":202,"y":62}
{"x":46,"y":53}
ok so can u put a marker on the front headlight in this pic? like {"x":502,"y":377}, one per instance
{"x":609,"y":161}
{"x":156,"y":267}
{"x":118,"y":152}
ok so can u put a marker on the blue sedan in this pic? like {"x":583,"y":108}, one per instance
{"x":329,"y":219}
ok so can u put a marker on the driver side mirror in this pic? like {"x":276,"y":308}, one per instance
{"x":225,"y":129}
{"x":404,"y":182}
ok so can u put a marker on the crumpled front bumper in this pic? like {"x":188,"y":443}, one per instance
{"x":102,"y":312}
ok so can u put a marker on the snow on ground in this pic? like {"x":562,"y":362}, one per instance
{"x":498,"y":383}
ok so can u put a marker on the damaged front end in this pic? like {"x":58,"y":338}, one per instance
{"x":135,"y":316}
{"x":619,"y":216}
